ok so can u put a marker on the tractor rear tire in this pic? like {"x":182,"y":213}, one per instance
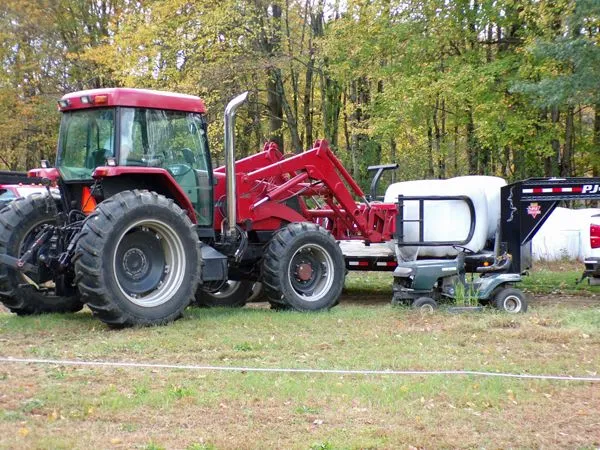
{"x":137,"y":262}
{"x":233,"y":294}
{"x":303,"y":268}
{"x":20,"y":221}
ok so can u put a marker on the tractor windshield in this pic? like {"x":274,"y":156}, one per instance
{"x":87,"y":138}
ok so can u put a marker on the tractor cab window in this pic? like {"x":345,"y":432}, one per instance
{"x":175,"y":141}
{"x":87,"y":138}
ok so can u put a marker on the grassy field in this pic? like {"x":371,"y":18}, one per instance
{"x":45,"y":406}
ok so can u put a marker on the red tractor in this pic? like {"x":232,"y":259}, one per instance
{"x":143,"y":225}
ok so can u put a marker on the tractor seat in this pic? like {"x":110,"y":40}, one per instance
{"x":472,"y":262}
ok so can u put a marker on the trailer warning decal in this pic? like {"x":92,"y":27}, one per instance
{"x":534,"y":210}
{"x":584,"y":189}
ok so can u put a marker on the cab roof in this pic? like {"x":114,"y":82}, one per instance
{"x":140,"y":98}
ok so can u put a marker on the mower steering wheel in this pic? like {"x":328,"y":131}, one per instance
{"x":465,"y":250}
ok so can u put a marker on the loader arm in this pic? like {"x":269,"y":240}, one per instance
{"x":315,"y":173}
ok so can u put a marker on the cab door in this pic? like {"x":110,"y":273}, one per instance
{"x":175,"y":141}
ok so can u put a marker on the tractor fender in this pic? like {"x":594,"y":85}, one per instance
{"x":51,"y":173}
{"x":272,"y":210}
{"x":119,"y":178}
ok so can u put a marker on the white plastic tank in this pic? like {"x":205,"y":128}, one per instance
{"x":491,"y":188}
{"x":443,"y":220}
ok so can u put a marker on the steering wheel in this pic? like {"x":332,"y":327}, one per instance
{"x":465,"y":250}
{"x":188,"y":156}
{"x":98,"y":157}
{"x":178,"y":170}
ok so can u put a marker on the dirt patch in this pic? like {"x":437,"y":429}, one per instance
{"x":579,"y":301}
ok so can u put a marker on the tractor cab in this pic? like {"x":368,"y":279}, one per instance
{"x":137,"y":128}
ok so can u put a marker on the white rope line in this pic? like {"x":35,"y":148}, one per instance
{"x":66,"y":362}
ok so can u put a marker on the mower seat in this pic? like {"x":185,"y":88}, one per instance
{"x":472,"y":262}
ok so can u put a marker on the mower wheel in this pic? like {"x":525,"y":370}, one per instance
{"x":510,"y":300}
{"x":20,"y":222}
{"x":425,"y":304}
{"x":233,"y":294}
{"x":137,"y":260}
{"x":304,"y":268}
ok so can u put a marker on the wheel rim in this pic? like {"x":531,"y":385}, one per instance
{"x":311,"y":272}
{"x":427,"y":308}
{"x":512,"y":303}
{"x":149,"y":263}
{"x":227,"y":289}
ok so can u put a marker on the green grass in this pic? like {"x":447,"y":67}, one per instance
{"x":544,"y":278}
{"x":156,"y":408}
{"x":544,"y":281}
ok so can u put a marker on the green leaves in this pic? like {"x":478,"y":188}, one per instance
{"x":443,"y":87}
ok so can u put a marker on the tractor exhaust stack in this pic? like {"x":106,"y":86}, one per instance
{"x":230,"y":110}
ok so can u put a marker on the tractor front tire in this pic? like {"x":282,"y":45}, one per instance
{"x":137,"y":261}
{"x":20,"y":221}
{"x":303,"y":268}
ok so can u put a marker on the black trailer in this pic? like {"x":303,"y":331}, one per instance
{"x":525,"y":206}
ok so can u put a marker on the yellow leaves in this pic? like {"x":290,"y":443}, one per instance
{"x":53,"y":416}
{"x":511,"y":396}
{"x":23,"y":431}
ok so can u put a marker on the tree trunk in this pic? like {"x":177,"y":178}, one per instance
{"x":430,"y":172}
{"x":393,"y":149}
{"x":331,"y":95}
{"x":519,"y":163}
{"x":472,"y":148}
{"x":275,"y":107}
{"x":291,"y":118}
{"x":566,"y":169}
{"x":442,"y":154}
{"x":505,"y":162}
{"x":551,"y":162}
{"x":271,"y":46}
{"x":307,"y":102}
{"x":456,"y":128}
{"x":437,"y":135}
{"x":349,"y":151}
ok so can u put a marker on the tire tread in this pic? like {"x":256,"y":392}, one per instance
{"x":89,"y":258}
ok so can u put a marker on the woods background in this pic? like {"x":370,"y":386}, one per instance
{"x":443,"y":87}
